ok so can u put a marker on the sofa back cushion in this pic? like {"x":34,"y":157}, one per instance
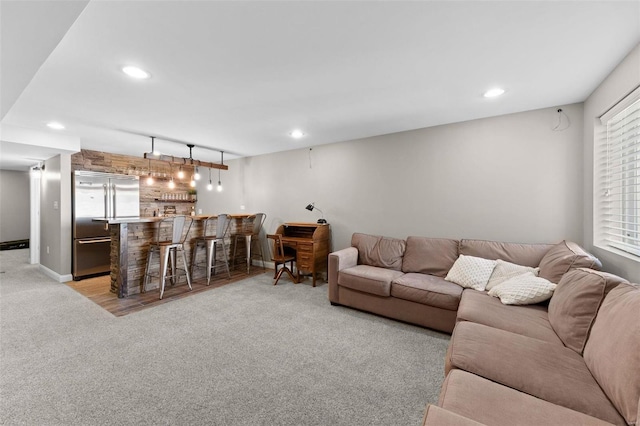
{"x":379,"y":251}
{"x":521,"y":254}
{"x":563,"y":257}
{"x":612,"y":352}
{"x":575,"y":303}
{"x":434,"y":256}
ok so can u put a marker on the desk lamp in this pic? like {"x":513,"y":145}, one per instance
{"x":312,"y":206}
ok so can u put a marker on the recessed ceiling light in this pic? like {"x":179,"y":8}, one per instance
{"x":493,"y":93}
{"x":135,"y":72}
{"x":297,"y":134}
{"x":55,"y":126}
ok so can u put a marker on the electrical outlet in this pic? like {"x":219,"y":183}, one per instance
{"x":55,"y":205}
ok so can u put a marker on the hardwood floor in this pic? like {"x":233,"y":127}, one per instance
{"x":98,"y":290}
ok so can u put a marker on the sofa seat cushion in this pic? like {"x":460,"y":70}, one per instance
{"x":575,"y":303}
{"x":428,"y":290}
{"x":436,"y":416}
{"x":490,"y":403}
{"x":527,"y":320}
{"x":613,"y":349}
{"x":368,"y":279}
{"x":545,"y":370}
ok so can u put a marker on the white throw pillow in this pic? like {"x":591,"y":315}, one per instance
{"x":505,"y":270}
{"x":471,"y":272}
{"x":525,"y":289}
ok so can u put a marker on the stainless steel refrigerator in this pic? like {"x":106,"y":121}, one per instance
{"x":99,"y":195}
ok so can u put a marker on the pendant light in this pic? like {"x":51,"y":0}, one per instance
{"x":180,"y":173}
{"x":219,"y":187}
{"x":209,"y":185}
{"x":171,"y":184}
{"x":197,"y":174}
{"x":149,"y":176}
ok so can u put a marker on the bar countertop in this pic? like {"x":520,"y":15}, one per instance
{"x":151,"y":219}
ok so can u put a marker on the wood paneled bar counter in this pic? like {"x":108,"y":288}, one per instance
{"x":130,"y":240}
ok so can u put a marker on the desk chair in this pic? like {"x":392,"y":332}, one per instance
{"x":279,"y":256}
{"x":249,"y":232}
{"x":168,"y":240}
{"x":210,"y":241}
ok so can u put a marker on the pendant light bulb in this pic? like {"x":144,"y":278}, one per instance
{"x":172,"y":184}
{"x":219,"y":187}
{"x":193,"y":182}
{"x":209,"y":185}
{"x":150,"y":176}
{"x":180,"y":173}
{"x":197,"y":174}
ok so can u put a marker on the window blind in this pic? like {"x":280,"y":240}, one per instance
{"x":619,"y":200}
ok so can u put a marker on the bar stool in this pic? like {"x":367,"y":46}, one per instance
{"x":210,"y":241}
{"x":173,"y":227}
{"x":250,"y":232}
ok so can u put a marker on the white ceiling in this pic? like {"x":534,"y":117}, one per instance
{"x":239,"y":76}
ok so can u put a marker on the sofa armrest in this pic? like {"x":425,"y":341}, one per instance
{"x":436,"y":416}
{"x":339,"y":260}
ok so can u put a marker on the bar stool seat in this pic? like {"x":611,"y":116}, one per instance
{"x":167,"y":248}
{"x":210,"y":242}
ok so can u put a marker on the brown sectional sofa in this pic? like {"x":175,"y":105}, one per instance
{"x":572,"y":360}
{"x":404,"y":280}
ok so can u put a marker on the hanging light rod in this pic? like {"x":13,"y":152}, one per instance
{"x":183,"y":161}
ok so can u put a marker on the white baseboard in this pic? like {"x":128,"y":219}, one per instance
{"x":56,"y":276}
{"x":267,"y":264}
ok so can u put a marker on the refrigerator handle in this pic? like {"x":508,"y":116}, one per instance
{"x":106,"y":201}
{"x":113,"y":194}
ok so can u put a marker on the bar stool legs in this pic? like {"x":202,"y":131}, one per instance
{"x":212,"y":262}
{"x":249,"y":241}
{"x":211,"y":245}
{"x":167,"y":255}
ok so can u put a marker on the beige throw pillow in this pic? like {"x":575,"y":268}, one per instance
{"x":505,"y":270}
{"x":471,"y":272}
{"x":525,"y":289}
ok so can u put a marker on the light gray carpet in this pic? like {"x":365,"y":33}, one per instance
{"x":245,"y":353}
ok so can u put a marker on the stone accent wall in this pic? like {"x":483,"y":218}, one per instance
{"x":152,"y":197}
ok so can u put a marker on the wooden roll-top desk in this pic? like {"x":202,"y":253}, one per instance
{"x":312,"y":242}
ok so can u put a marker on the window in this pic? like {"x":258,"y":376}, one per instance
{"x":617,"y":198}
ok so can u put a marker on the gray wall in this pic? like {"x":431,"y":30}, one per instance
{"x":623,"y":80}
{"x":55,"y":215}
{"x":508,"y":178}
{"x":14,"y":205}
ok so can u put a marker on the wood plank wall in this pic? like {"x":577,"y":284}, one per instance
{"x":137,"y":166}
